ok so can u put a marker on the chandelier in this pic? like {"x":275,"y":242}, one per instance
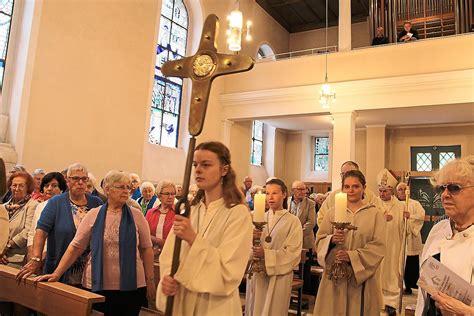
{"x":327,"y":95}
{"x":234,"y":32}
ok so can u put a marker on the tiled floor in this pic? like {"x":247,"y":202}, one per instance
{"x":408,"y":300}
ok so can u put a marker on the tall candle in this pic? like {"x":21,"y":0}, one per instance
{"x":341,"y":206}
{"x":259,"y":207}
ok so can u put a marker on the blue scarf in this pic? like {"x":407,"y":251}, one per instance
{"x":127,"y":250}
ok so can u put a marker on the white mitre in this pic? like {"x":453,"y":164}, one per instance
{"x":386,"y":179}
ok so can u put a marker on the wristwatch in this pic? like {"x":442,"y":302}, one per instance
{"x":35,"y":259}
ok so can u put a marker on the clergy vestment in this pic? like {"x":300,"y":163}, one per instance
{"x":366,"y":248}
{"x":456,"y":252}
{"x":392,"y":263}
{"x":414,"y":244}
{"x":268,"y":293}
{"x":330,"y":201}
{"x":210,"y":270}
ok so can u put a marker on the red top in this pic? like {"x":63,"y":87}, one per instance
{"x":153,"y":216}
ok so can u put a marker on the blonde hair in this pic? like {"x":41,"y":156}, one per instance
{"x":76,"y":167}
{"x":114,"y":176}
{"x":165,"y":184}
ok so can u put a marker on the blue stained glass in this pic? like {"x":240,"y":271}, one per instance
{"x":166,"y":98}
{"x":6,"y":11}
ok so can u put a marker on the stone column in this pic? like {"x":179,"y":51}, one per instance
{"x":375,"y":154}
{"x":225,"y":132}
{"x":343,"y":143}
{"x":344,"y":28}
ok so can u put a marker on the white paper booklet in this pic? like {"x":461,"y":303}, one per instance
{"x":434,"y":277}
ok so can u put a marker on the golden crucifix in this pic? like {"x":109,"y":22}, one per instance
{"x":202,"y":68}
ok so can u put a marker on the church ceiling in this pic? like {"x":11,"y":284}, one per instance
{"x":304,"y":15}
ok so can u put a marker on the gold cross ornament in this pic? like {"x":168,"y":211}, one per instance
{"x":202,"y":68}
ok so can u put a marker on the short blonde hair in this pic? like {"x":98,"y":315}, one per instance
{"x":462,"y":168}
{"x":114,"y":176}
{"x":165,"y":184}
{"x":147,"y":185}
{"x":76,"y":167}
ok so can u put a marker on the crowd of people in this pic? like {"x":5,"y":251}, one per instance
{"x":104,"y":237}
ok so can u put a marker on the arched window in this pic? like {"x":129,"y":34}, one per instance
{"x":167,"y":92}
{"x":265,"y":51}
{"x":256,"y":156}
{"x":6,"y":11}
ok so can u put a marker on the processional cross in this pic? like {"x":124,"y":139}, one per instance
{"x":202,"y":68}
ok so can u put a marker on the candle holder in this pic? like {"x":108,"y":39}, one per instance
{"x":257,"y":265}
{"x":341,"y":270}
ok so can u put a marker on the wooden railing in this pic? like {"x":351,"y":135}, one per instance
{"x":47,"y":298}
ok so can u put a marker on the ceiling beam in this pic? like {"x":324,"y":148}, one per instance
{"x":270,"y":10}
{"x":312,"y":10}
{"x":285,"y":3}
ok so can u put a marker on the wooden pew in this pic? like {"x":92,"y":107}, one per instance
{"x":52,"y":298}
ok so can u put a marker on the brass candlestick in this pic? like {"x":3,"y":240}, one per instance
{"x":341,"y":270}
{"x":257,"y":264}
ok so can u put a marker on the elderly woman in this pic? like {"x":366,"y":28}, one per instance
{"x":161,"y":217}
{"x":21,"y":209}
{"x":451,"y":241}
{"x":148,"y":200}
{"x":52,"y":184}
{"x":58,"y":224}
{"x":37,"y":175}
{"x":120,"y":263}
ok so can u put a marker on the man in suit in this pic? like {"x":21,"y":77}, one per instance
{"x":304,"y":208}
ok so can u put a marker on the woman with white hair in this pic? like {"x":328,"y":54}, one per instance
{"x":120,"y":263}
{"x":451,"y":241}
{"x":161,"y":217}
{"x":148,"y":200}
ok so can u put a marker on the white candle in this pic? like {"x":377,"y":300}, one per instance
{"x":341,"y":206}
{"x":259,"y":208}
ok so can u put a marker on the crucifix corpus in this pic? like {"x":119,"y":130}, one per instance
{"x":202,"y":68}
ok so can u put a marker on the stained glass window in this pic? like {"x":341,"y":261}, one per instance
{"x":430,"y":158}
{"x":423,"y":162}
{"x":167,"y":92}
{"x":321,"y":153}
{"x":256,"y":157}
{"x":6,"y":11}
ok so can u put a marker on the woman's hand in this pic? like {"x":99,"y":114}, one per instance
{"x":449,"y":305}
{"x":150,"y":291}
{"x":342,"y":255}
{"x":169,"y":286}
{"x":182,"y":228}
{"x":339,"y":236}
{"x":258,"y":252}
{"x":32,"y":267}
{"x":53,"y":277}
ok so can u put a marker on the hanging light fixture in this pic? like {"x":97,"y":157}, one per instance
{"x":327,"y":95}
{"x":234,"y":32}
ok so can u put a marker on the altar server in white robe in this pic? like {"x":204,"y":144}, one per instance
{"x":415,"y":219}
{"x":217,"y":240}
{"x":268,"y":293}
{"x":363,"y":249}
{"x":369,"y":196}
{"x":452,"y":240}
{"x":394,"y":226}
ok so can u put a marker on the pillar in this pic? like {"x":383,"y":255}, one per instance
{"x":343,"y":143}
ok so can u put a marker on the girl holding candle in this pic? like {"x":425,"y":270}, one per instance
{"x":268,"y":293}
{"x":364,"y":250}
{"x":216,"y":240}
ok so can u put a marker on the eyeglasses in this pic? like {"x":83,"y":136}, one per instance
{"x":77,"y":179}
{"x":122,"y":187}
{"x":167,"y":193}
{"x":300,"y":189}
{"x":18,"y":186}
{"x":453,"y":188}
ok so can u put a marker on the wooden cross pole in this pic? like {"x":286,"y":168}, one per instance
{"x":202,"y":68}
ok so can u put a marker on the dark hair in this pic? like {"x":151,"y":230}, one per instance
{"x":231,"y":193}
{"x":30,"y":185}
{"x":352,"y":163}
{"x":283,"y":187}
{"x":54,"y":176}
{"x":354,"y":174}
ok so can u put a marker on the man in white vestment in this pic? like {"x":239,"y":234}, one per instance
{"x":416,"y":218}
{"x":370,"y":197}
{"x":391,"y":265}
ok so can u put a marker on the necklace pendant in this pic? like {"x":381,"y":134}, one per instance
{"x":268,"y":239}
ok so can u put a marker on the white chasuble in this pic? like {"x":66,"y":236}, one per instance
{"x":415,"y":223}
{"x":366,"y":249}
{"x":210,"y":270}
{"x":392,"y":263}
{"x":268,"y":294}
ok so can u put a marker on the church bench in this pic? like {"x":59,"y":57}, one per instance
{"x":48,"y":298}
